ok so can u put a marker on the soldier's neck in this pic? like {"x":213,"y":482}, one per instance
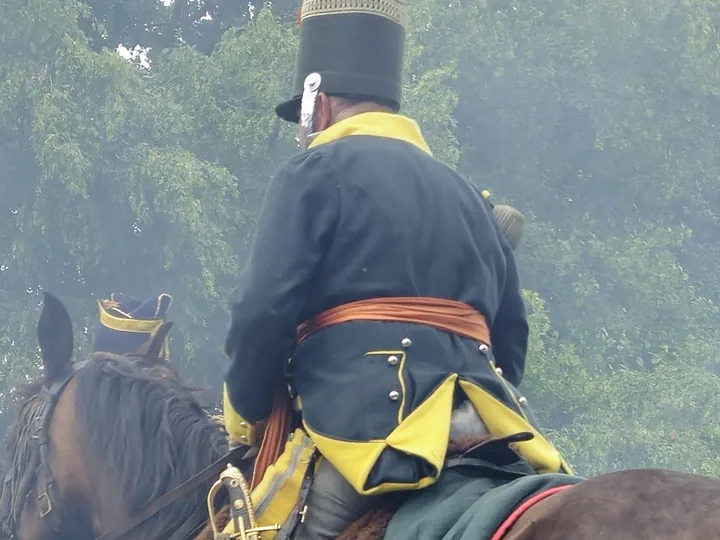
{"x":359,"y":108}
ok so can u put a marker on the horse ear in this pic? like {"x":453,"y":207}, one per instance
{"x":153,"y":347}
{"x":55,"y":337}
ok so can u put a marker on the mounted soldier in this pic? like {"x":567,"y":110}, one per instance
{"x":383,"y":274}
{"x":126,"y":323}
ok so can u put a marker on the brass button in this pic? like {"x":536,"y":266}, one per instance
{"x":406,"y":342}
{"x":394,"y":395}
{"x":243,"y":438}
{"x":498,"y":371}
{"x":393,"y":360}
{"x":243,"y":424}
{"x":522,"y":401}
{"x":482,"y":347}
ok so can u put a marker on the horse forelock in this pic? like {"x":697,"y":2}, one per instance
{"x":147,"y":434}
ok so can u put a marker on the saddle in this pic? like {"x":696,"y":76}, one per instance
{"x":494,"y":454}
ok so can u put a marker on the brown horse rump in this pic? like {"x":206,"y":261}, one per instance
{"x":635,"y":504}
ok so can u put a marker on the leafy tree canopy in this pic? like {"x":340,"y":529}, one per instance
{"x":598,"y":120}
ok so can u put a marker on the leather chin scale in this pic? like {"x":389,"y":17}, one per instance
{"x":311,"y":87}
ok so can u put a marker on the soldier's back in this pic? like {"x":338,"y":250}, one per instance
{"x":409,"y":225}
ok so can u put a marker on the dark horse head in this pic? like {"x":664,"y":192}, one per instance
{"x":120,"y":432}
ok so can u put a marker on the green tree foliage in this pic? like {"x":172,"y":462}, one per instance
{"x":167,"y":24}
{"x":598,"y":120}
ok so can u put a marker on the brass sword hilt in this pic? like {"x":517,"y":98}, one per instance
{"x":242,"y":513}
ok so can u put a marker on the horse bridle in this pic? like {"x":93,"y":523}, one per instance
{"x":47,"y":486}
{"x":50,"y":396}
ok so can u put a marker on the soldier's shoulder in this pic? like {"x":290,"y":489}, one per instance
{"x":307,"y":170}
{"x":306,"y":158}
{"x":308,"y":162}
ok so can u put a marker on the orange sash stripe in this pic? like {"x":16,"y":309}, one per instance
{"x":276,"y":435}
{"x":449,"y":315}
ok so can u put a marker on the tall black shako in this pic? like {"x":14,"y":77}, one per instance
{"x":348,"y":48}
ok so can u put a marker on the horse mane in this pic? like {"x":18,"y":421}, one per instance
{"x":23,"y":455}
{"x":149,"y":435}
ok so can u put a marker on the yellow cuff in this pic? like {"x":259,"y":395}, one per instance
{"x":239,"y":429}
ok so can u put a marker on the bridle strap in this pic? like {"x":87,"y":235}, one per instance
{"x":50,"y":396}
{"x":234,"y":457}
{"x":187,"y":529}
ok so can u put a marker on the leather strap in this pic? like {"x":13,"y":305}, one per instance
{"x":187,"y":529}
{"x":45,"y":481}
{"x":298,"y":515}
{"x":509,"y":471}
{"x":234,"y":456}
{"x":495,"y":455}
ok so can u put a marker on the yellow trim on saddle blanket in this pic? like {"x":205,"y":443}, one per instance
{"x":276,"y":495}
{"x":239,"y":429}
{"x":425,"y":433}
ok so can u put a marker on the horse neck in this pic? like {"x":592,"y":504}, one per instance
{"x":146,"y":435}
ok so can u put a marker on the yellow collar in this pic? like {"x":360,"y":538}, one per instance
{"x":378,"y":124}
